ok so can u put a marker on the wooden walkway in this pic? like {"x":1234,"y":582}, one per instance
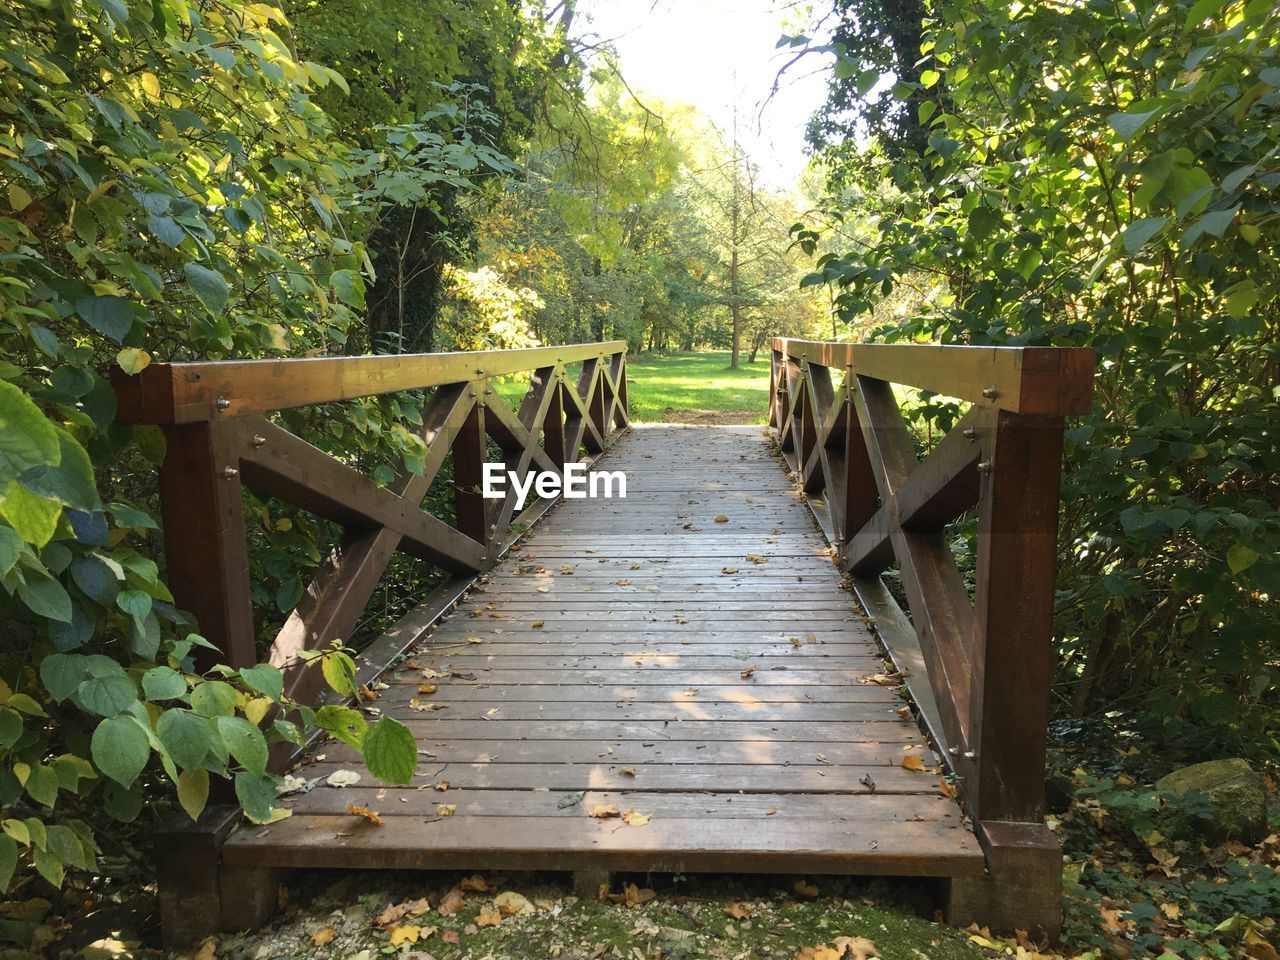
{"x":688,"y":654}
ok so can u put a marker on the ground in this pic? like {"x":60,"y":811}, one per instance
{"x":697,"y":388}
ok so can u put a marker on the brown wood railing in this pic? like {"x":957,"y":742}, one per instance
{"x":988,"y":659}
{"x":219,"y":441}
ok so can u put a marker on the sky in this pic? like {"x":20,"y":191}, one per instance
{"x":715,"y":54}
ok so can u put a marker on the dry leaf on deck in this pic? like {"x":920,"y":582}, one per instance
{"x":628,"y":771}
{"x":602,"y":811}
{"x":624,"y":583}
{"x":913,"y":762}
{"x":475,"y":639}
{"x":359,"y":811}
{"x":747,"y":672}
{"x":342,"y":778}
{"x":634,"y":818}
{"x":434,"y":674}
{"x":537,"y":624}
{"x":729,"y":570}
{"x":755,"y":558}
{"x":428,"y":688}
{"x":946,"y":788}
{"x":884,"y":679}
{"x":446,"y":809}
{"x":323,"y":937}
{"x":722,"y":519}
{"x":739,"y":911}
{"x":442,"y":786}
{"x":566,"y":569}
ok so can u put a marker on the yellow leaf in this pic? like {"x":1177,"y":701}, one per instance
{"x":324,"y":936}
{"x":913,"y":762}
{"x":634,"y":818}
{"x":19,"y":199}
{"x":747,"y":672}
{"x":722,"y":519}
{"x":488,"y":917}
{"x":601,"y":811}
{"x":475,"y":640}
{"x":805,"y":888}
{"x":151,"y":86}
{"x":359,"y":811}
{"x":537,"y":624}
{"x":408,"y":933}
{"x":132,"y":360}
{"x":446,"y":809}
{"x":256,"y":709}
{"x":474,"y":884}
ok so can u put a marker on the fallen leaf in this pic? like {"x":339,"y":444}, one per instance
{"x":737,"y":910}
{"x":475,"y":639}
{"x":434,"y":674}
{"x":796,"y":642}
{"x":324,"y":936}
{"x":441,"y":785}
{"x":566,"y":569}
{"x":450,"y":936}
{"x":446,"y":809}
{"x":635,"y":818}
{"x":488,"y":917}
{"x":722,"y":519}
{"x":544,"y":589}
{"x":628,"y":771}
{"x":884,"y":679}
{"x":805,"y":888}
{"x":856,"y":948}
{"x":631,"y":895}
{"x":409,"y":933}
{"x":342,"y":778}
{"x":946,"y":788}
{"x":747,"y":672}
{"x":537,"y":624}
{"x":771,"y":811}
{"x":359,"y":811}
{"x":474,"y":884}
{"x":913,"y":762}
{"x":427,"y":688}
{"x":729,"y":570}
{"x":681,"y":620}
{"x":755,"y":558}
{"x":451,"y":903}
{"x":602,"y":811}
{"x":624,"y":583}
{"x":510,"y":904}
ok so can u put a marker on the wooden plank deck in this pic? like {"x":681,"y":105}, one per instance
{"x":609,"y":670}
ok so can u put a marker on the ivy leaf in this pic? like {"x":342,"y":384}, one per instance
{"x":209,"y":286}
{"x":27,"y":438}
{"x":390,"y":751}
{"x":120,"y":749}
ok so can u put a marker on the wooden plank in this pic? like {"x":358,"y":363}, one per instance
{"x":1034,"y":380}
{"x":877,"y":709}
{"x":675,"y":845}
{"x":168,"y":393}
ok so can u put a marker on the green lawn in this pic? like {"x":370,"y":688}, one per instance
{"x":697,"y":388}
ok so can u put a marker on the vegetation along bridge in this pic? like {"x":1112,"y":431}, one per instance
{"x":675,"y":681}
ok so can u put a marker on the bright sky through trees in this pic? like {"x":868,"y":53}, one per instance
{"x":715,"y":55}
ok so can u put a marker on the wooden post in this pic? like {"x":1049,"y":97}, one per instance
{"x":1009,"y":694}
{"x":469,"y":449}
{"x":207,"y":560}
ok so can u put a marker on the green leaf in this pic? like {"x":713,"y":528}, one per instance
{"x":32,"y":517}
{"x":349,"y":286}
{"x":61,"y":674}
{"x":42,"y":785}
{"x":49,"y":867}
{"x":69,"y":482}
{"x":193,"y":791}
{"x":213,"y":698}
{"x":265,"y":679}
{"x":46,"y":597}
{"x":1127,"y":124}
{"x":120,"y":749}
{"x":163,"y":683}
{"x":10,"y":727}
{"x":209,"y":286}
{"x":134,"y":602}
{"x":108,"y":696}
{"x":1140,"y":231}
{"x":11,"y":546}
{"x":110,"y":316}
{"x":27,"y":438}
{"x":339,"y":672}
{"x":346,"y":724}
{"x":8,"y":861}
{"x":187,"y":736}
{"x":1240,"y":558}
{"x":257,"y":795}
{"x":244,"y":742}
{"x":390,"y":751}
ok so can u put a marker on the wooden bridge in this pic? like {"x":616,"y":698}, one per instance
{"x":676,"y":681}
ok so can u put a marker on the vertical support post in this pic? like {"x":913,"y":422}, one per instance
{"x":1009,"y":693}
{"x":207,"y":558}
{"x":468,"y":474}
{"x":596,"y":401}
{"x":861,"y":496}
{"x":553,"y":436}
{"x":773,"y":385}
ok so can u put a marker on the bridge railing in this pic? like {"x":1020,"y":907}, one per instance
{"x":219,"y":440}
{"x":988,"y":657}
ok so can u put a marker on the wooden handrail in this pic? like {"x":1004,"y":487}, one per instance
{"x":168,"y":393}
{"x":218,"y":443}
{"x":987,"y":662}
{"x":1017,"y":379}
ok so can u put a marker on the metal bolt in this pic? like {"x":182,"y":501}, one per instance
{"x":969,"y":755}
{"x":230,"y":472}
{"x":991,"y":393}
{"x":222,"y":403}
{"x":969,"y":434}
{"x":259,"y":439}
{"x":984,"y":466}
{"x":954,"y":751}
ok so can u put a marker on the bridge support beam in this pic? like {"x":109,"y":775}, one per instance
{"x":1023,"y":886}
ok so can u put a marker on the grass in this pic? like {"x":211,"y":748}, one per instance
{"x":697,"y":388}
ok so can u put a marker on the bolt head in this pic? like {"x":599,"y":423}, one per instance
{"x":230,"y":472}
{"x":969,"y":754}
{"x":991,"y":393}
{"x":222,"y":403}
